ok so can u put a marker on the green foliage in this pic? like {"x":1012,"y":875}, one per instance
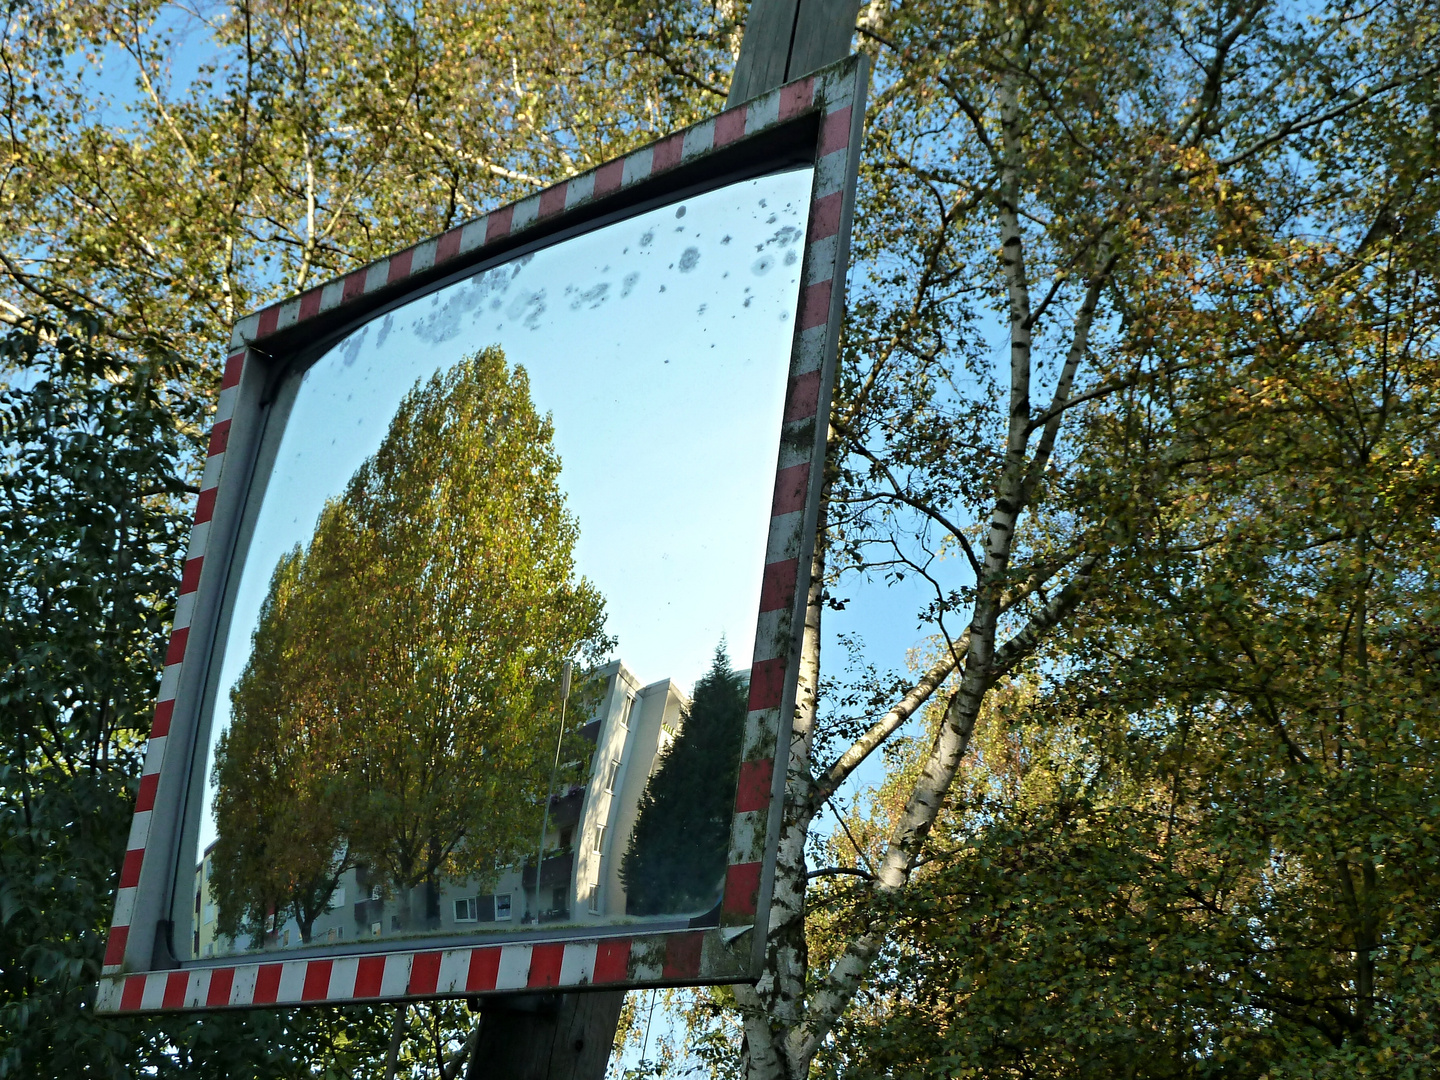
{"x":675,"y":860}
{"x":397,"y":705}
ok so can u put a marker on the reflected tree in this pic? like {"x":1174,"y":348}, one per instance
{"x":421,"y":636}
{"x":675,"y":860}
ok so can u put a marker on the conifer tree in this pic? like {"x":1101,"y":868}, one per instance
{"x":675,"y":860}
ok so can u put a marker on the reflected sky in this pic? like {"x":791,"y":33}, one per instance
{"x":660,"y":347}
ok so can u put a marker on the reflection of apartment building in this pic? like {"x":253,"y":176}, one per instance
{"x":579,"y":875}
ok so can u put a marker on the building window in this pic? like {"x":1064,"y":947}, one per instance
{"x":610,"y":773}
{"x":625,"y":714}
{"x":599,"y":838}
{"x":465,"y":909}
{"x":502,"y":906}
{"x":592,"y":898}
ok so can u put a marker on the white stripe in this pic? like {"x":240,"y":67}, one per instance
{"x":342,"y":978}
{"x":107,"y":997}
{"x":820,"y":263}
{"x":242,"y":990}
{"x":292,"y":981}
{"x":184,"y":611}
{"x":747,"y":836}
{"x":124,"y":907}
{"x":472,"y":234}
{"x":784,"y":541}
{"x":770,"y":627}
{"x":454,"y":971}
{"x":169,"y":677}
{"x":648,"y":960}
{"x":578,"y":964}
{"x":211,"y":476}
{"x":139,"y":830}
{"x":700,"y":139}
{"x":154,"y":756}
{"x":396,"y":978}
{"x":830,"y":173}
{"x":154,"y":995}
{"x":579,"y":189}
{"x":244,"y":331}
{"x":762,"y":112}
{"x":197,"y":989}
{"x":199,"y":537}
{"x":332,"y":294}
{"x":424,"y":257}
{"x":637,"y":167}
{"x":226,"y":408}
{"x":759,"y":740}
{"x":809,"y":350}
{"x":525,"y":212}
{"x":289,"y":315}
{"x":837,"y":89}
{"x":377,"y":275}
{"x":514,"y":970}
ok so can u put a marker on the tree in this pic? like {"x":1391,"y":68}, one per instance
{"x":401,"y":689}
{"x":675,"y":859}
{"x":1114,"y":199}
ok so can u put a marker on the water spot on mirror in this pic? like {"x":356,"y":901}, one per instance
{"x":385,"y":327}
{"x":791,"y":258}
{"x":590,"y":298}
{"x":353,"y":344}
{"x":689,"y":259}
{"x":647,"y":238}
{"x":680,"y":211}
{"x":763,"y":265}
{"x":628,"y":283}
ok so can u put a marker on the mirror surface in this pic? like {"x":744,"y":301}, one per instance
{"x":566,"y":457}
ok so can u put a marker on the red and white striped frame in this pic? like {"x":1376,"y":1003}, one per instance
{"x":835,"y":96}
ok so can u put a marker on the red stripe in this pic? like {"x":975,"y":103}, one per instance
{"x":130,"y":868}
{"x":448,"y":246}
{"x":682,"y":955}
{"x":219,"y":438}
{"x":133,"y":993}
{"x":804,"y":399}
{"x":176,"y":652}
{"x":205,"y":506}
{"x":317,"y":981}
{"x":667,"y":153}
{"x":268,"y":320}
{"x":310,"y":303}
{"x":545,"y":961}
{"x":742,"y":889}
{"x":777,"y":587}
{"x":115,"y":945}
{"x":174,"y":990}
{"x":221,"y":980}
{"x":146,"y":799}
{"x":267,"y":984}
{"x":368,"y":975}
{"x":484,"y":969}
{"x":400,"y":265}
{"x":354,"y":286}
{"x":730,"y":126}
{"x":612,"y":961}
{"x":796,"y":97}
{"x":835,"y":133}
{"x":608,"y":177}
{"x":825,"y":217}
{"x":498,"y":223}
{"x":767,"y":680}
{"x":163,"y":712}
{"x":756,"y":785}
{"x":552,"y":200}
{"x":815,"y":305}
{"x":190,"y":574}
{"x":424,"y":973}
{"x":234,"y":365}
{"x":790,"y":487}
